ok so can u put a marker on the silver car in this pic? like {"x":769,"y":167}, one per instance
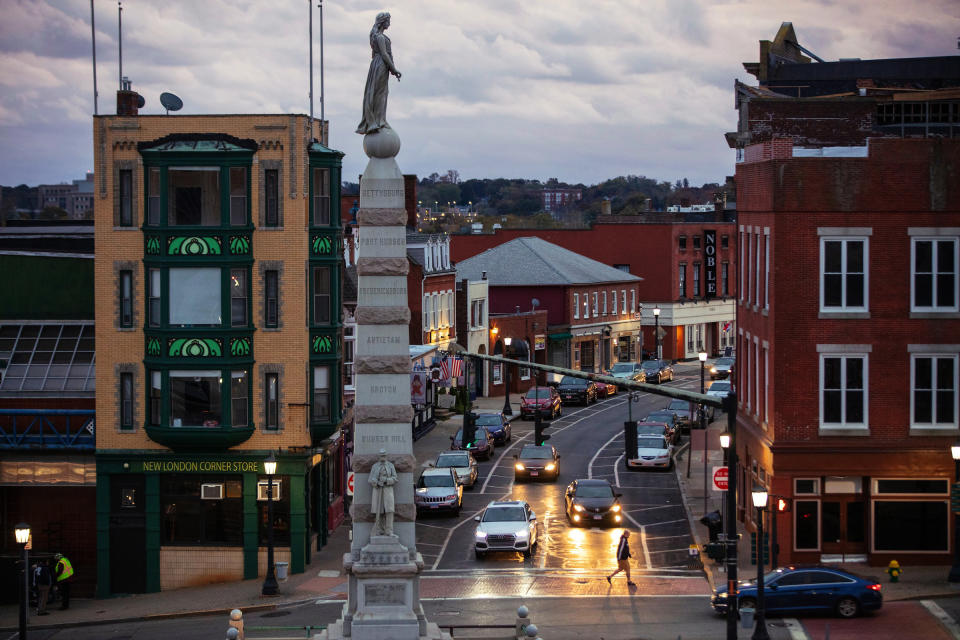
{"x":462,"y":462}
{"x":653,"y":452}
{"x":506,"y":525}
{"x":438,"y":490}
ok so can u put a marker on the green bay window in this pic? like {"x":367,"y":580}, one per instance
{"x":321,"y":295}
{"x":238,"y":297}
{"x":194,"y":298}
{"x":156,"y":398}
{"x":238,"y":196}
{"x":153,"y":297}
{"x":321,"y":394}
{"x":153,"y":196}
{"x":193,"y":196}
{"x":199,"y":397}
{"x":321,"y":197}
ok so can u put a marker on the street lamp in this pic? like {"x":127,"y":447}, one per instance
{"x":954,"y":575}
{"x":730,"y":512}
{"x":507,"y":411}
{"x":703,"y":427}
{"x":270,"y":582}
{"x":725,"y":444}
{"x":760,"y":502}
{"x":22,"y":534}
{"x":656,"y":331}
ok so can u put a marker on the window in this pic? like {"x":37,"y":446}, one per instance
{"x":576,"y":306}
{"x":126,"y":198}
{"x":725,"y":278}
{"x":696,"y":279}
{"x":126,"y":298}
{"x":613,"y":295}
{"x":807,"y":523}
{"x":604,"y":303}
{"x":766,"y":271}
{"x":321,"y":197}
{"x":238,"y":196}
{"x":435,"y":311}
{"x":349,"y":341}
{"x":586,"y":306}
{"x":238,"y":298}
{"x":934,"y":384}
{"x":623,"y":300}
{"x":688,"y":330}
{"x":911,"y":525}
{"x":153,"y":300}
{"x":766,"y":384}
{"x":321,"y":295}
{"x":321,"y":394}
{"x":622,"y":267}
{"x":747,"y":267}
{"x":126,"y":401}
{"x":724,"y":242}
{"x":190,"y":520}
{"x":194,"y":297}
{"x":742,"y":266}
{"x":271,"y":299}
{"x":271,"y":406}
{"x":633,"y":300}
{"x":195,"y":398}
{"x":239,"y":398}
{"x":756,"y":271}
{"x":155,"y":397}
{"x":843,"y":285}
{"x":476,"y":314}
{"x":271,"y":180}
{"x":696,"y":242}
{"x":682,"y":272}
{"x":153,"y":197}
{"x":596,"y":306}
{"x":934,"y":262}
{"x":426,"y":312}
{"x":193,"y":196}
{"x":843,"y":390}
{"x":682,"y":243}
{"x":806,"y":486}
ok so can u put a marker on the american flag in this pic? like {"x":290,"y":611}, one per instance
{"x":456,"y":370}
{"x":445,"y":369}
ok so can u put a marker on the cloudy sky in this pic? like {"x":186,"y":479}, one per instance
{"x":577,"y":90}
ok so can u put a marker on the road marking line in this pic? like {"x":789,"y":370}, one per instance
{"x":945,"y":618}
{"x":796,"y":630}
{"x":446,"y":541}
{"x":646,"y":551}
{"x":590,"y":464}
{"x":670,"y":550}
{"x":616,"y":470}
{"x":652,"y":524}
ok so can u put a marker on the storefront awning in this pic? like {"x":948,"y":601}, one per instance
{"x":559,"y":336}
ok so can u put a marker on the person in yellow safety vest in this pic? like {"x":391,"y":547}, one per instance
{"x":63,"y":572}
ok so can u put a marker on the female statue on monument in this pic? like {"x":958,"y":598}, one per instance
{"x":381,"y":67}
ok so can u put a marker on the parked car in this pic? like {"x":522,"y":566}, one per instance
{"x":654,"y":452}
{"x":629,"y":371}
{"x":506,"y":525}
{"x":537,"y":461}
{"x":482,"y":445}
{"x":577,"y":390}
{"x":592,"y":502}
{"x":659,"y":370}
{"x":497,"y":425}
{"x":687,"y":412}
{"x":438,"y":490}
{"x":722,"y":368}
{"x":718,"y":389}
{"x":650,"y":428}
{"x":462,"y":462}
{"x":546,"y":400}
{"x":823,"y":589}
{"x":669,"y":417}
{"x":605,"y":390}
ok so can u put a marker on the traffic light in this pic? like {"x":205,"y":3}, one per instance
{"x":630,"y":439}
{"x":782,"y":504}
{"x":469,"y":429}
{"x":539,"y":437}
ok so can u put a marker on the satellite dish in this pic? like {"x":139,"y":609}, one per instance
{"x":170,"y":102}
{"x":535,"y":303}
{"x":140,"y":101}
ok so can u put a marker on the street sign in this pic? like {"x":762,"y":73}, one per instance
{"x":720,"y":479}
{"x":350,"y":483}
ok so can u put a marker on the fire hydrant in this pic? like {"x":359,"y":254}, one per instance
{"x":894,"y":570}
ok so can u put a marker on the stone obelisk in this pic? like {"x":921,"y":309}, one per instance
{"x":383,"y":565}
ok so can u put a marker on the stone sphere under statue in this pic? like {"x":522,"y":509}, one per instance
{"x":382,"y":143}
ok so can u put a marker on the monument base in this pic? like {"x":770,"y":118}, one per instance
{"x":383,"y":600}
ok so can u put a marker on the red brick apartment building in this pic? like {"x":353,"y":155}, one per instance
{"x":848,"y":332}
{"x":667,"y":250}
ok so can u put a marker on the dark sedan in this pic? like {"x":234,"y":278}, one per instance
{"x":537,"y":461}
{"x":818,"y":589}
{"x":482,"y":445}
{"x":686,"y":412}
{"x":722,"y":368}
{"x":591,"y":502}
{"x":669,"y":417}
{"x":546,"y":400}
{"x":497,"y":425}
{"x":658,"y":370}
{"x":577,"y":390}
{"x":656,"y":429}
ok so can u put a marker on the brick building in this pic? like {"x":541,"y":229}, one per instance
{"x":218,"y":333}
{"x":848,"y":318}
{"x":431,"y":283}
{"x":669,"y":252}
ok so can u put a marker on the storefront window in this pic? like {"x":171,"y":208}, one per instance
{"x":189,"y":519}
{"x":281,"y":513}
{"x":910,"y":525}
{"x":195,"y":398}
{"x":807,"y":524}
{"x":195,"y":297}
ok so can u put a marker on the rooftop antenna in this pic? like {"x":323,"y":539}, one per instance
{"x":534,"y":303}
{"x":93,"y":39}
{"x":310,"y":5}
{"x":170,"y":102}
{"x":322,"y":94}
{"x":120,"y":37}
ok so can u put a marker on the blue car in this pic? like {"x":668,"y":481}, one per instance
{"x":497,"y":425}
{"x":817,"y":589}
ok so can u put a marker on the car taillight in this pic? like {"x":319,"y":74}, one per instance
{"x":875,"y":587}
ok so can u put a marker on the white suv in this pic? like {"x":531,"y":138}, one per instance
{"x":506,"y":525}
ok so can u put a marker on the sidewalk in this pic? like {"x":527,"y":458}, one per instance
{"x":916,"y":582}
{"x":323,"y":577}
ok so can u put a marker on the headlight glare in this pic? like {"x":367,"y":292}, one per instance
{"x":577,"y":508}
{"x":519,"y":466}
{"x":616,"y":508}
{"x":550,"y":467}
{"x":481,"y":535}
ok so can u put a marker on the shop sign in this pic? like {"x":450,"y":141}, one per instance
{"x":201,"y":466}
{"x":539,"y":343}
{"x":710,"y":254}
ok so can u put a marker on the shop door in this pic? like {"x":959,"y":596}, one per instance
{"x":605,"y":350}
{"x":586,"y":356}
{"x":843,"y":525}
{"x":128,"y":539}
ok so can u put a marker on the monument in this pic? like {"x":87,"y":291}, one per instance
{"x":383,"y":566}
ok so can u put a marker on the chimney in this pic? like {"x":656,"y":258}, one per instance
{"x":605,"y":209}
{"x":483,"y":275}
{"x":126,"y":99}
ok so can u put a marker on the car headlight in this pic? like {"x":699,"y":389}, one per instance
{"x":451,"y":497}
{"x":523,"y":534}
{"x":577,"y":507}
{"x":722,"y":594}
{"x":481,"y":535}
{"x":616,"y":508}
{"x":550,"y":466}
{"x":421,"y":491}
{"x":519,"y":466}
{"x":713,"y":369}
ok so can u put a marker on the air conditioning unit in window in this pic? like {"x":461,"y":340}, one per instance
{"x":211,"y":491}
{"x":262,"y":490}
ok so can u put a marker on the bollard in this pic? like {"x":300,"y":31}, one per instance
{"x":894,"y":571}
{"x":520,"y":629}
{"x":236,"y":625}
{"x":531,"y":630}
